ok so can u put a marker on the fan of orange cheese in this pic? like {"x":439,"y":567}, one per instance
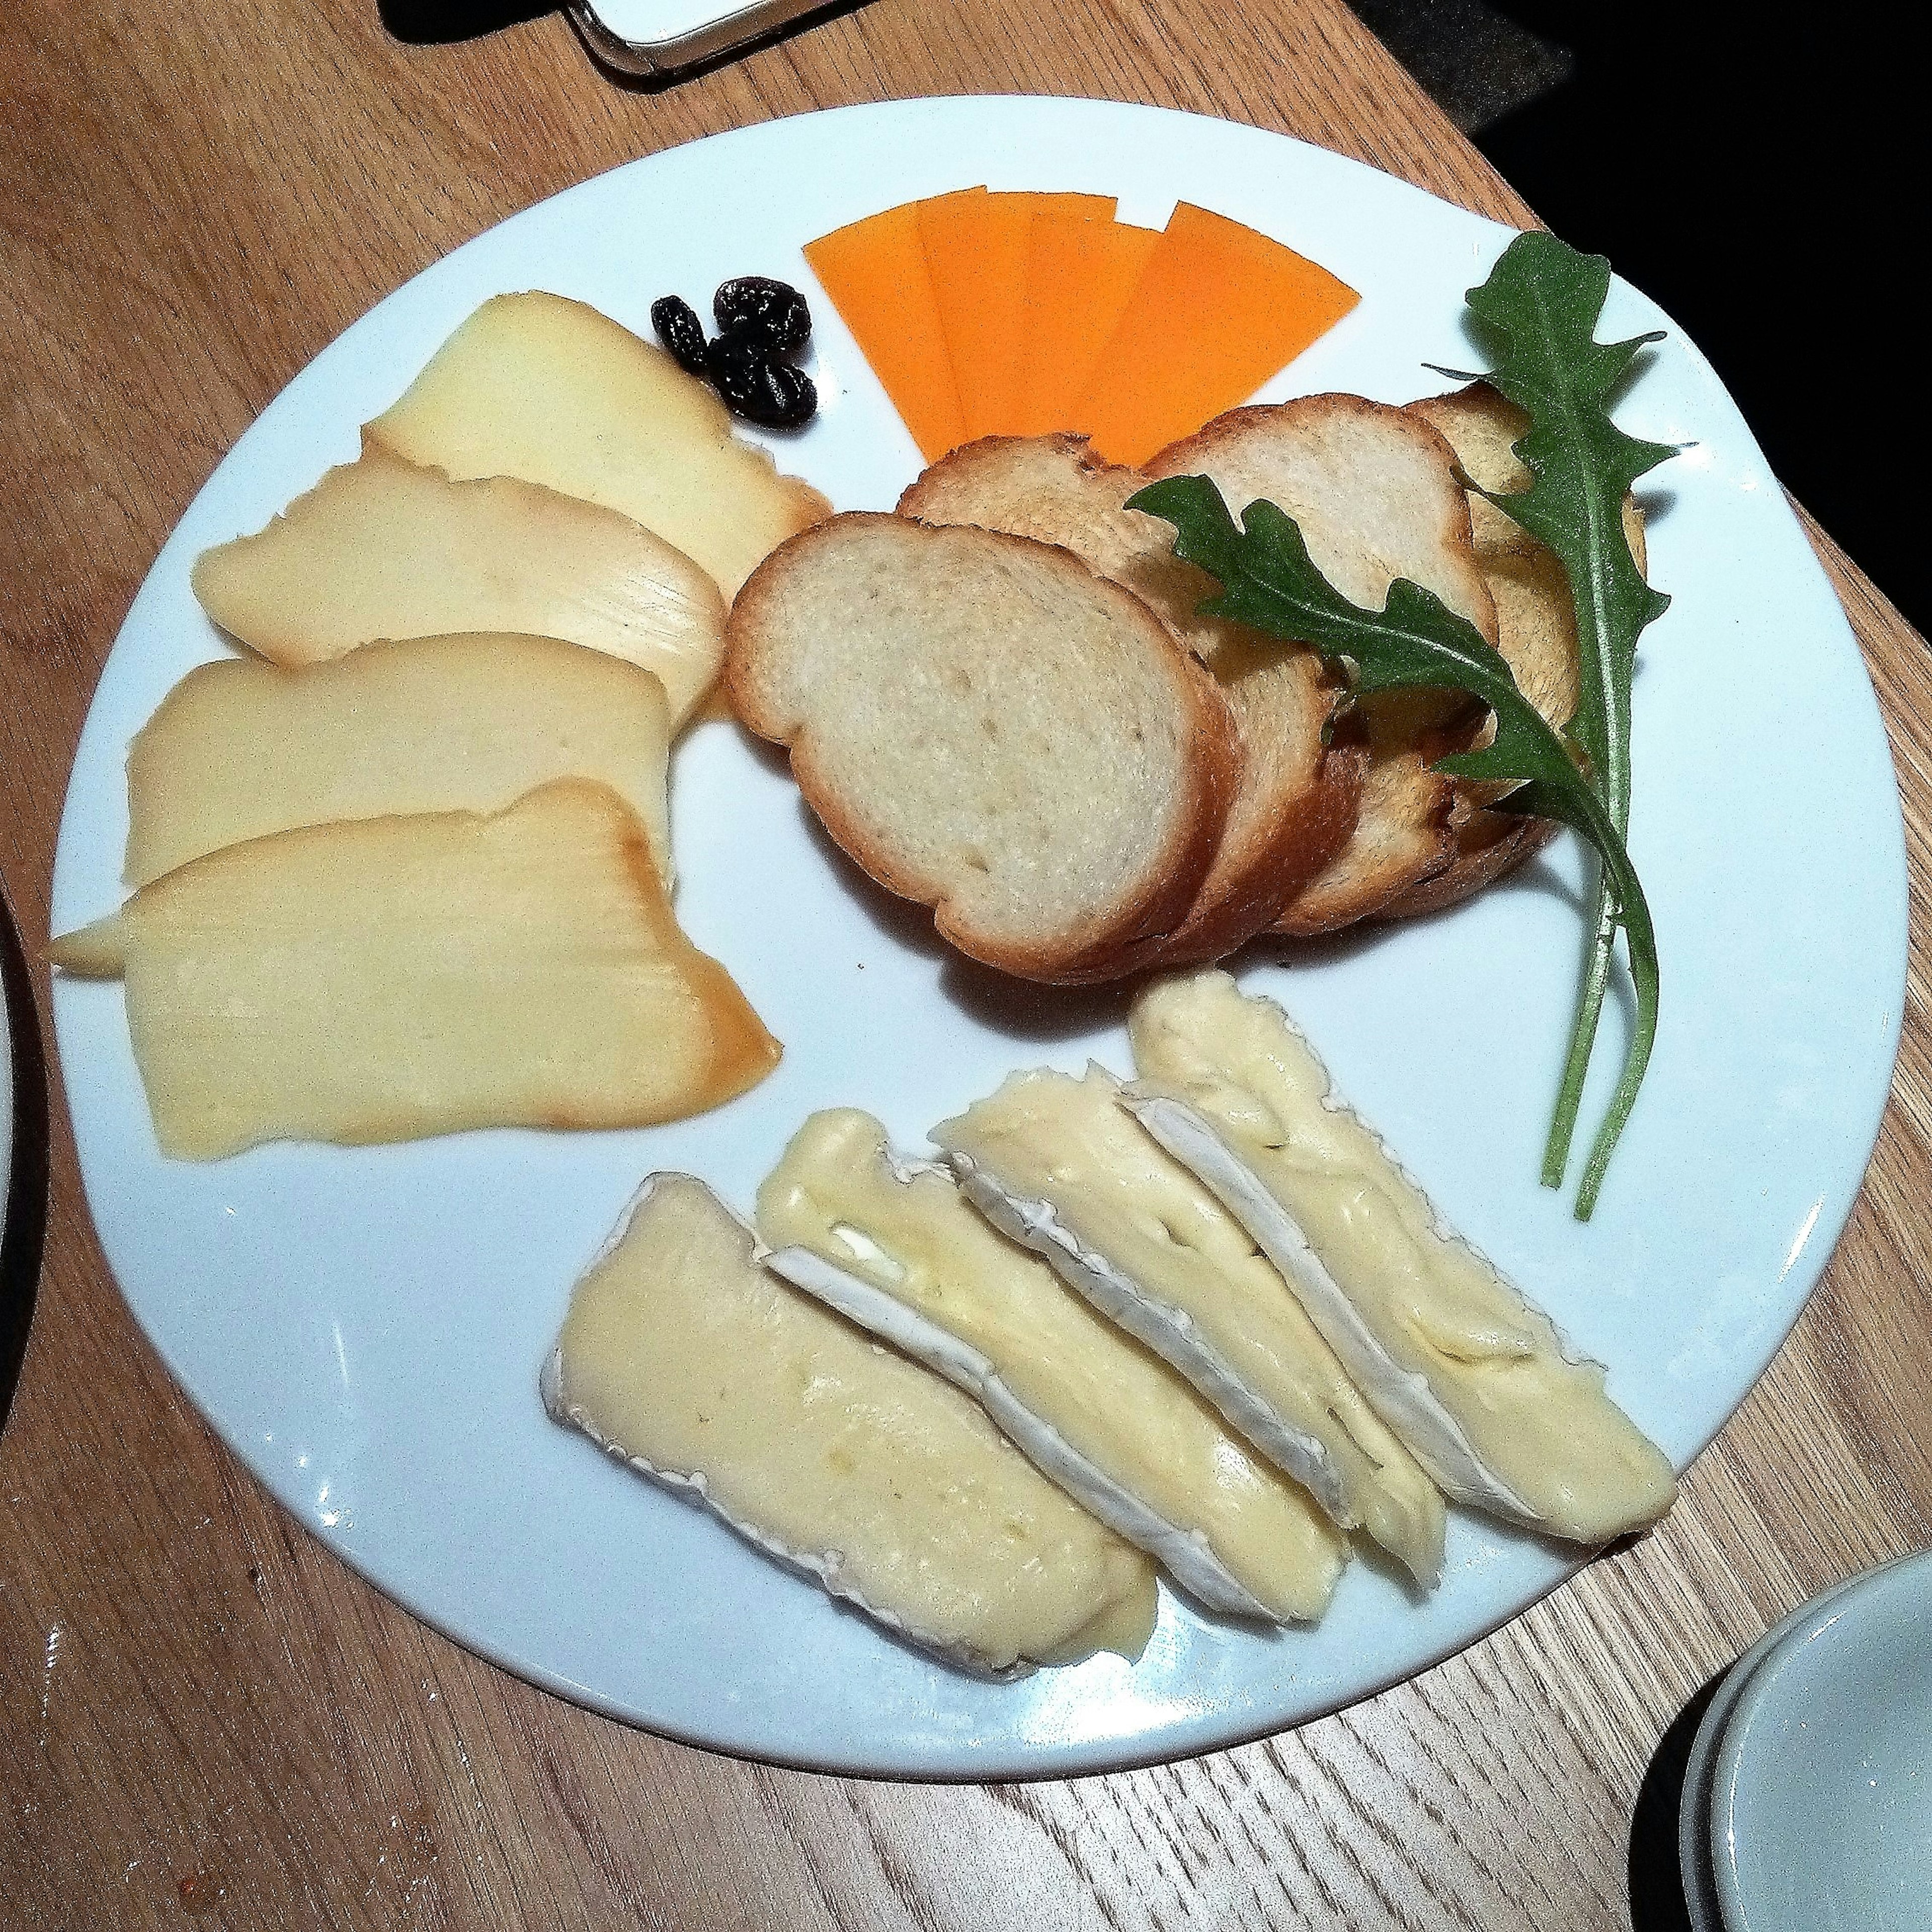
{"x":986,"y":314}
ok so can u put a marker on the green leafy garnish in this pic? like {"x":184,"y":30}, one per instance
{"x":1269,"y":583}
{"x":1539,"y":308}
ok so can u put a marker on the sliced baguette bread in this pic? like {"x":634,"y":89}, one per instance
{"x":989,"y":729}
{"x":1536,"y":632}
{"x":1375,"y":492}
{"x":1293,"y":804}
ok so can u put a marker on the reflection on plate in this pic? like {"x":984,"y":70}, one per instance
{"x":364,"y":1327}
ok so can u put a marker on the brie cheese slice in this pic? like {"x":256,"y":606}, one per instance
{"x":910,"y":1259}
{"x":1472,"y":1376}
{"x":1057,"y":1164}
{"x":684,"y":1358}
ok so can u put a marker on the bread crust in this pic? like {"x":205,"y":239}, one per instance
{"x":1104,"y":946}
{"x":1292,"y":804}
{"x":1399,"y":835}
{"x":1537,"y":634}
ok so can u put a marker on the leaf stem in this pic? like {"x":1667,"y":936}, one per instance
{"x":1595,"y":983}
{"x":1635,"y":1060}
{"x":1621,"y":897}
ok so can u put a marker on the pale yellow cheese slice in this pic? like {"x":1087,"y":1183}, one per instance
{"x":537,"y":386}
{"x":1102,"y":1416}
{"x":242,"y":748}
{"x":383,"y":548}
{"x":1058,"y":1164}
{"x":1475,"y":1378}
{"x":684,"y":1357}
{"x":383,"y":979}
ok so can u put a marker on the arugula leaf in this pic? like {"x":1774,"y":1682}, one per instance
{"x":1540,"y":307}
{"x":1269,"y":582}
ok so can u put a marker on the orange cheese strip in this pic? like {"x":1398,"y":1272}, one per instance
{"x":1081,"y":268}
{"x":875,"y":272}
{"x":976,"y":247}
{"x":1218,"y":310}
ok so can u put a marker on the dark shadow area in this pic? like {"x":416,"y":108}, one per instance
{"x":1026,"y":1010}
{"x":1470,"y":57}
{"x":1762,"y":176}
{"x":1020,"y":1008}
{"x":436,"y":22}
{"x":23,"y":1230}
{"x":1657,"y":1901}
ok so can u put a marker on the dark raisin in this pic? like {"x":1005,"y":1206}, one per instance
{"x":756,"y":385}
{"x":680,"y":331}
{"x":773,"y":312}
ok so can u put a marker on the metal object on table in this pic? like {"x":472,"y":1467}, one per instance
{"x":23,"y":1177}
{"x":650,"y":39}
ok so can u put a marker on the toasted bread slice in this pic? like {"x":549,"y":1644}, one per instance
{"x":1293,"y":804}
{"x":992,"y":730}
{"x":1536,"y":632}
{"x":1403,"y":830}
{"x":1375,"y":494}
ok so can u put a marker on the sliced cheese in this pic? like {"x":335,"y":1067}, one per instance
{"x":1089,"y":1404}
{"x":241,"y":747}
{"x":976,"y":249}
{"x":1057,"y":1164}
{"x":539,"y":387}
{"x":387,"y":978}
{"x":1474,"y":1378}
{"x":1218,"y":309}
{"x":686,"y":1358}
{"x":876,"y":273}
{"x":383,"y":548}
{"x":1081,"y":266}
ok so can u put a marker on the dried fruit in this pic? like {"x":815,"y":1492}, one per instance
{"x":680,"y":331}
{"x":755,"y":384}
{"x":771,"y":312}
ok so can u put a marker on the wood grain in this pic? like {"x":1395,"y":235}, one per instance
{"x":202,"y":1713}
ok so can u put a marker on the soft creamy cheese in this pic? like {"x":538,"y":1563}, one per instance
{"x":1060,"y":1164}
{"x":905,"y":1230}
{"x":688,"y":1360}
{"x":1474,"y":1377}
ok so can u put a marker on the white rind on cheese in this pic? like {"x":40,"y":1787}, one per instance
{"x":1062,"y":1166}
{"x":1168,"y":1332}
{"x":1119,"y":1592}
{"x":1185,"y":1554}
{"x":1477,"y":1378}
{"x":1070,"y":1385}
{"x":825,"y":1568}
{"x":1403,"y":1401}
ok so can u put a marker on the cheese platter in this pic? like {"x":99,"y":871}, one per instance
{"x":365,"y":1326}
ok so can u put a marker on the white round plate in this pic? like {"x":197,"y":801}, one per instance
{"x":364,"y":1327}
{"x":1821,"y":1804}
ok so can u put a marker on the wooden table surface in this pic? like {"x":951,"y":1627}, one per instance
{"x":202,"y":1712}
